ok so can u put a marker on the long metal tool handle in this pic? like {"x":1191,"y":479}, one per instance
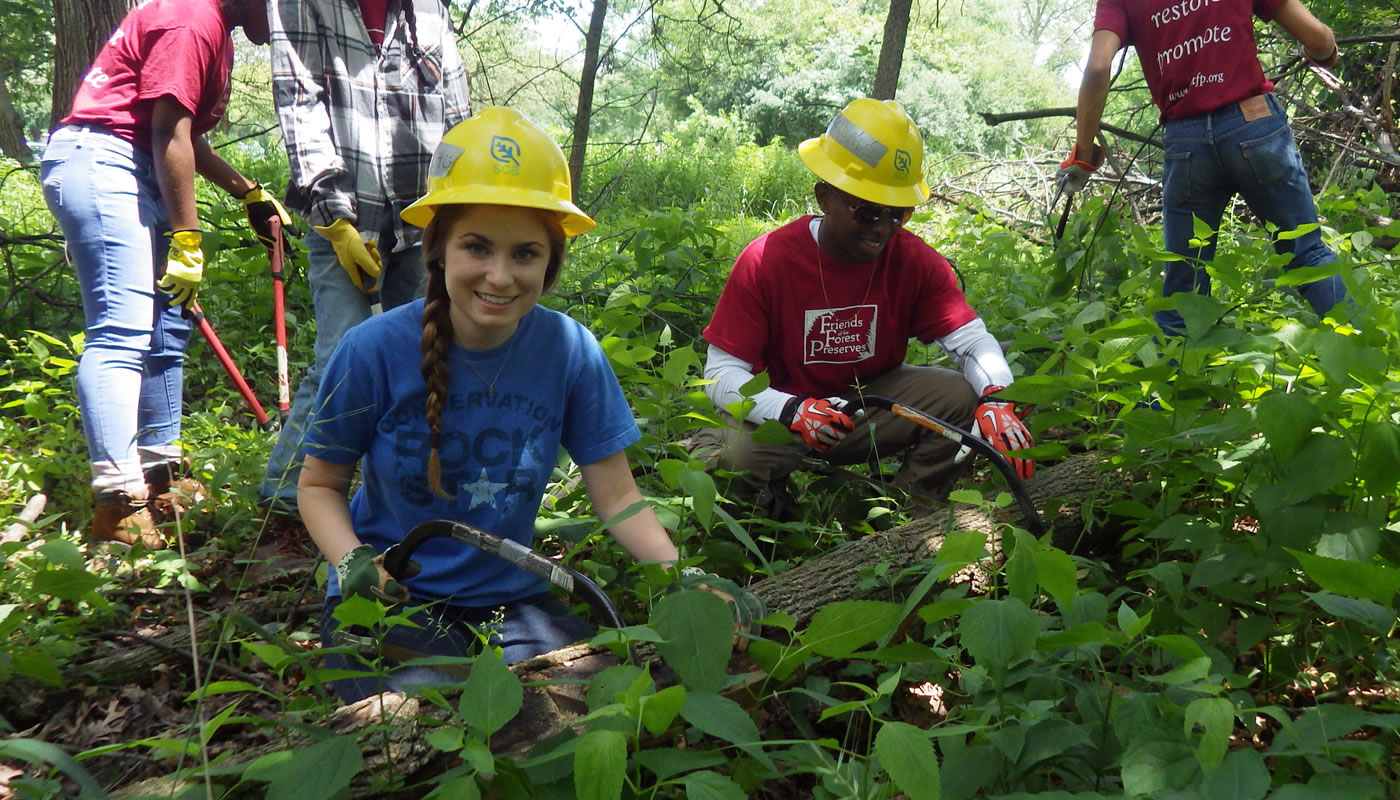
{"x":279,"y":316}
{"x":577,"y":584}
{"x":231,"y":368}
{"x":1064,"y":216}
{"x":966,"y":439}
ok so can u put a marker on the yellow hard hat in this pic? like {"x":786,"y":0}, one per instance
{"x":498,"y":157}
{"x":871,"y":150}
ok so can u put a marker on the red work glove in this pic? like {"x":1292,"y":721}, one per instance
{"x":999,"y":426}
{"x":1075,"y":170}
{"x":821,"y":424}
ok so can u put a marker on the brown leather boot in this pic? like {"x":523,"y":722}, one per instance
{"x":172,"y":491}
{"x":119,"y":517}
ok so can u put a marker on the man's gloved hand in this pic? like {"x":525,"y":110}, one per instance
{"x":748,"y":607}
{"x":361,"y":571}
{"x":819,"y":421}
{"x":998,"y":425}
{"x":1075,"y":170}
{"x":355,"y":255}
{"x":184,"y":267}
{"x":261,"y":206}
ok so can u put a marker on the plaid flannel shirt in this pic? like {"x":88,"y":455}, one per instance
{"x":360,"y":126}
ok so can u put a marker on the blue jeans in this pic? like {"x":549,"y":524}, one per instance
{"x":1211,"y":157}
{"x":522,"y":629}
{"x":339,"y":306}
{"x":103,"y":192}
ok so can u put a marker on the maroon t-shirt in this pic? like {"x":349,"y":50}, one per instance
{"x":179,"y":49}
{"x":375,"y":14}
{"x":817,"y":325}
{"x":1197,"y":55}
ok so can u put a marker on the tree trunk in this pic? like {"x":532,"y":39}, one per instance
{"x":12,"y":141}
{"x":892,"y":50}
{"x":81,"y":27}
{"x":583,"y":118}
{"x":555,"y":682}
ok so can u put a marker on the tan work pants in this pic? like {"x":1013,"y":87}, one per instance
{"x":927,"y":468}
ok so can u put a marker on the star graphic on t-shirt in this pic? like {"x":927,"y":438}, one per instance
{"x":484,"y":491}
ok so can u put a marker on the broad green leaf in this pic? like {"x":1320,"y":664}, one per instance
{"x":1302,"y":230}
{"x":1373,"y":616}
{"x":66,"y":584}
{"x":725,"y":720}
{"x":1322,"y":463}
{"x":38,"y":752}
{"x":998,"y":633}
{"x":1079,"y":635}
{"x":700,"y":488}
{"x":1336,"y":354}
{"x":1285,"y":418}
{"x":841,"y":628}
{"x":908,"y":756}
{"x":1379,"y":463}
{"x":1020,"y":568}
{"x":1130,"y":623}
{"x":1055,"y":572}
{"x":1201,"y":229}
{"x":1243,"y":776}
{"x":1154,"y":767}
{"x":492,"y":695}
{"x":698,"y":627}
{"x":1340,"y":785}
{"x":1373,"y":582}
{"x":318,"y":772}
{"x":943,"y":609}
{"x":667,"y":761}
{"x":1200,"y":312}
{"x":959,"y":549}
{"x":711,"y":786}
{"x":754,"y":385}
{"x":658,"y":710}
{"x":1217,"y":717}
{"x":600,"y":765}
{"x":771,"y":431}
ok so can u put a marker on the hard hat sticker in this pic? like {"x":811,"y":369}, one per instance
{"x":861,"y":144}
{"x":443,"y":158}
{"x":505,"y":151}
{"x":902,"y":159}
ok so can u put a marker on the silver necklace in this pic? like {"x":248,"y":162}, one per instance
{"x":491,"y":384}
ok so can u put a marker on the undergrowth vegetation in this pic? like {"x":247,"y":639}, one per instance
{"x":1233,"y":638}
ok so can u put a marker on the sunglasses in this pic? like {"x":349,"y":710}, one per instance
{"x":871,"y":214}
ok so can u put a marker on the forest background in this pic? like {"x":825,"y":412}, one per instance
{"x":1214,"y":619}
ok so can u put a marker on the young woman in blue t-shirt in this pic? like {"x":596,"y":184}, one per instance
{"x":455,"y":407}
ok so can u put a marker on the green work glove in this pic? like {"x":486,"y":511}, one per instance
{"x":356,"y":256}
{"x":261,"y":207}
{"x":748,"y":607}
{"x":184,"y":267}
{"x":361,"y":571}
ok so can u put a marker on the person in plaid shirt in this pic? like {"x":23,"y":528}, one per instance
{"x":364,"y":91}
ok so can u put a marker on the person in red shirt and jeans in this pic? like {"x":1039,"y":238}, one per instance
{"x":118,"y":175}
{"x":826,"y":305}
{"x":1223,"y":130}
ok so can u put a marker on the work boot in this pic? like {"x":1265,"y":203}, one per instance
{"x":172,"y":491}
{"x":119,"y":517}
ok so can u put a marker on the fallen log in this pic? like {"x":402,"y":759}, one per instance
{"x":392,"y":729}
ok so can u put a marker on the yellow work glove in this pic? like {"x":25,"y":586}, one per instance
{"x":184,"y":267}
{"x":355,"y":255}
{"x":261,"y":207}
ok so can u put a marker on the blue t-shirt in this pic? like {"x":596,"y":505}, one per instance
{"x":555,"y":387}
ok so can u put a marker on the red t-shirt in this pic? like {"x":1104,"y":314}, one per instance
{"x":166,"y":48}
{"x":818,"y":326}
{"x":375,"y":14}
{"x":1197,"y":55}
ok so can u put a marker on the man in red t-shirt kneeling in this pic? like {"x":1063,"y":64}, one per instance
{"x":826,"y":305}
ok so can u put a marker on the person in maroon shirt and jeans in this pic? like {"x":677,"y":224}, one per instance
{"x":1224,"y":131}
